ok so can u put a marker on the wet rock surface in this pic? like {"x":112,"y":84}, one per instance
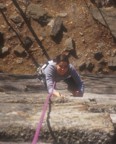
{"x":72,"y":120}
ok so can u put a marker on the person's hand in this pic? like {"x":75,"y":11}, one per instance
{"x":61,"y":98}
{"x":77,"y":93}
{"x":57,"y":94}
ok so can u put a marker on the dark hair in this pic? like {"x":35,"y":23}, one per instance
{"x":60,"y":58}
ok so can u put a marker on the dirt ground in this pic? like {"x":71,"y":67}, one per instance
{"x":86,"y":32}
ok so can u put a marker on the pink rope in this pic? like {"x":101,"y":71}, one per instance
{"x":36,"y":136}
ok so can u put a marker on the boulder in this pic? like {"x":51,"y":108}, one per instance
{"x":98,"y":55}
{"x":36,"y":12}
{"x":2,"y":6}
{"x":56,"y":26}
{"x":112,"y":63}
{"x":20,"y":51}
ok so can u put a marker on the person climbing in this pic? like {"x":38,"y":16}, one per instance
{"x":60,"y":69}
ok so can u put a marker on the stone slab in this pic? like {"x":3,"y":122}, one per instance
{"x":73,"y":120}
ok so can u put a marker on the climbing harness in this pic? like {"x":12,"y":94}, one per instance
{"x":36,"y":136}
{"x":40,"y":70}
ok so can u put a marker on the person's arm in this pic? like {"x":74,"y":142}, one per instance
{"x":78,"y":81}
{"x":50,"y":80}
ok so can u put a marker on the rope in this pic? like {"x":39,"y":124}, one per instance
{"x":36,"y":136}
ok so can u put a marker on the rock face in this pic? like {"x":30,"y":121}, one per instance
{"x":106,"y":17}
{"x":103,"y":3}
{"x":72,"y":120}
